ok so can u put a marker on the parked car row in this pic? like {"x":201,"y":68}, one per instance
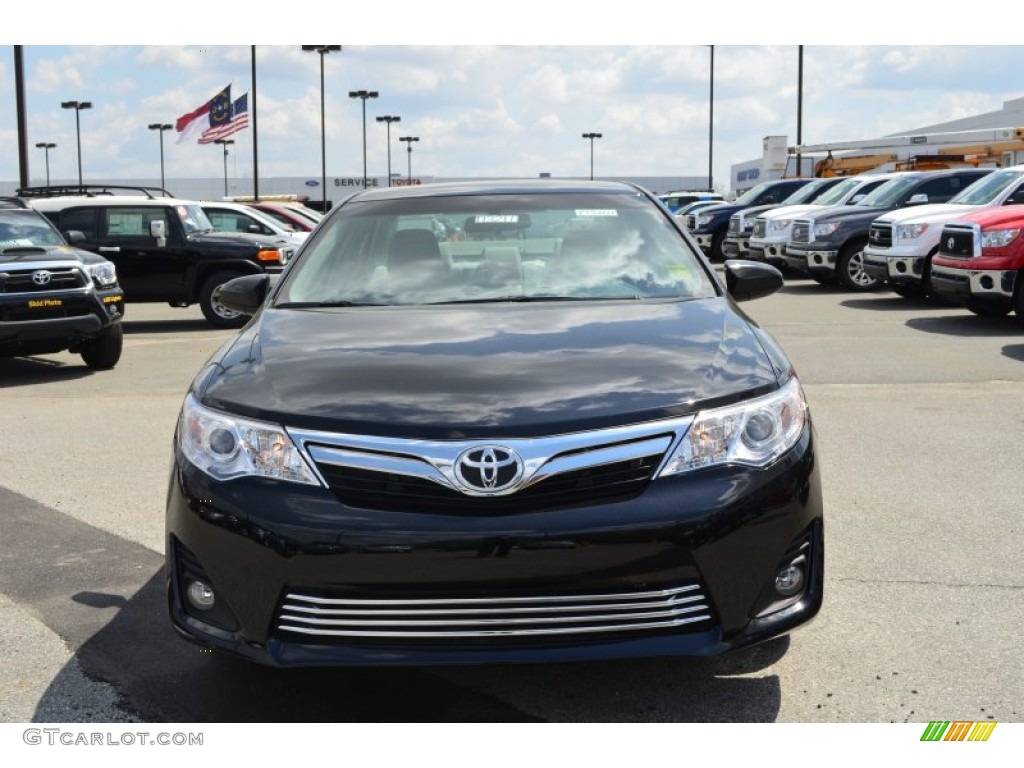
{"x":950,"y":233}
{"x":72,"y":257}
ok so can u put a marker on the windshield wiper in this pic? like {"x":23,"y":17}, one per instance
{"x":528,"y":299}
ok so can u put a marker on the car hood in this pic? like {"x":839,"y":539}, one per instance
{"x":470,"y":371}
{"x":845,"y":212}
{"x":59,"y":253}
{"x":926,"y":213}
{"x":790,"y":211}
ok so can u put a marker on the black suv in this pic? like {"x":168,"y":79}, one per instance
{"x":165,"y":248}
{"x":54,"y":297}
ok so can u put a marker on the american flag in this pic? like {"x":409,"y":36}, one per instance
{"x":238,"y":119}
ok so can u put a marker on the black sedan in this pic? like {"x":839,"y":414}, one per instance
{"x":509,"y":445}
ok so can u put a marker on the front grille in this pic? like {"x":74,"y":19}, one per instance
{"x":801,"y":232}
{"x":734,"y":225}
{"x":880,"y":235}
{"x":370,"y":489}
{"x":958,"y":242}
{"x":690,"y":221}
{"x":462,"y":616}
{"x":760,"y":227}
{"x":20,"y":280}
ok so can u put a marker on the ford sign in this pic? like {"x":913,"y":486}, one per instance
{"x":312,"y":183}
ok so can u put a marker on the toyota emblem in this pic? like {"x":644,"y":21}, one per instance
{"x":949,"y":243}
{"x":41,"y":277}
{"x":488,"y":469}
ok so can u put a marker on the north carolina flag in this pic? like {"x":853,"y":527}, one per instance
{"x":226,"y":122}
{"x":198,"y":120}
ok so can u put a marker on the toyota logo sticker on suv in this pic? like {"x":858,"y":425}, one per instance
{"x":41,"y":277}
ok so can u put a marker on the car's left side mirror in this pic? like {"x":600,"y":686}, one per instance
{"x":746,"y":280}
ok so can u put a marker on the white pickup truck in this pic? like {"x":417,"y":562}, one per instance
{"x":901,"y":243}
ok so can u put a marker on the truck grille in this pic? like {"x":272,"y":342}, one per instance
{"x":760,"y":227}
{"x":801,"y":232}
{"x":59,"y":279}
{"x":734,"y":225}
{"x":478,"y":616}
{"x":690,"y":221}
{"x":880,"y":235}
{"x":960,"y":242}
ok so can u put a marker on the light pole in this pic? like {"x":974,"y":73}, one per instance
{"x":78,"y":106}
{"x":225,"y":143}
{"x":161,"y":127}
{"x":711,"y":120}
{"x":408,"y":143}
{"x":389,"y":119}
{"x":323,"y":50}
{"x":591,"y":136}
{"x":46,"y":146}
{"x":364,"y":95}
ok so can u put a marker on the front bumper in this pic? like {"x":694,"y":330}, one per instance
{"x":771,"y":251}
{"x":896,"y":269}
{"x":704,"y":240}
{"x":736,"y":246}
{"x":994,"y":287}
{"x":33,"y":323}
{"x":723,"y":533}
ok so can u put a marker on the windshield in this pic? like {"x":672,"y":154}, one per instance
{"x":889,"y":193}
{"x":839,"y":192}
{"x":502,"y":247}
{"x":986,"y":189}
{"x":750,"y":196}
{"x":808,"y":192}
{"x":26,"y":229}
{"x":193,"y":219}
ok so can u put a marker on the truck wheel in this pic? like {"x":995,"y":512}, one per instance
{"x":986,"y":310}
{"x":102,"y":352}
{"x":909,"y":291}
{"x":215,"y":312}
{"x":717,"y":254}
{"x":850,"y":269}
{"x":1018,"y":299}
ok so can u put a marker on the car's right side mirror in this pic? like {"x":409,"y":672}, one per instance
{"x":244,"y":294}
{"x":158,"y":231}
{"x":919,"y":199}
{"x":746,"y":280}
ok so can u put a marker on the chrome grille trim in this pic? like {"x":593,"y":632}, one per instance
{"x":505,"y":616}
{"x":542,"y":457}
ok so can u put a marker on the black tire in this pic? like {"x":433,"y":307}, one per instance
{"x":986,"y":310}
{"x":216,"y":314}
{"x":717,"y":254}
{"x":1018,"y":299}
{"x":822,"y":279}
{"x":102,"y":352}
{"x":909,"y":291}
{"x":850,"y":269}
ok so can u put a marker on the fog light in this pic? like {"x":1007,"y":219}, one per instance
{"x":901,"y":267}
{"x":789,"y":580}
{"x":817,"y":260}
{"x":987,"y":283}
{"x":200,"y":595}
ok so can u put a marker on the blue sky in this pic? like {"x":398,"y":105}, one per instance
{"x":488,"y":97}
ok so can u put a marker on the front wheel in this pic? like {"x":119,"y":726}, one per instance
{"x":850,"y":269}
{"x":102,"y":352}
{"x":717,"y":254}
{"x":215,"y":312}
{"x":982,"y":309}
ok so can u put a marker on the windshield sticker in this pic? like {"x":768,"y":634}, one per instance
{"x":680,"y":271}
{"x":597,"y":212}
{"x":511,"y":218}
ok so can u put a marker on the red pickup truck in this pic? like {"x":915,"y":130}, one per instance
{"x":980,"y":262}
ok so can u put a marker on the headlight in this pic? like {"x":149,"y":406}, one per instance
{"x":826,"y":229}
{"x":104,"y":275}
{"x":226,"y":447}
{"x":998,"y":238}
{"x":910,"y":231}
{"x":754,"y":433}
{"x":703,"y":219}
